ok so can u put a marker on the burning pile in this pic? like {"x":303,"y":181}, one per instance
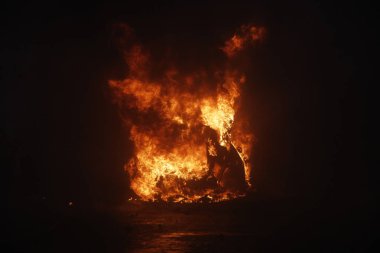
{"x":189,"y":144}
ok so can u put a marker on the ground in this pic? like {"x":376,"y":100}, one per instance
{"x":252,"y":224}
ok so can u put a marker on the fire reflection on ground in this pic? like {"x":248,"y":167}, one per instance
{"x":240,"y":225}
{"x":155,"y":227}
{"x":197,"y":242}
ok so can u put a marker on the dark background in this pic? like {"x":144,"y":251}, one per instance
{"x":62,"y":139}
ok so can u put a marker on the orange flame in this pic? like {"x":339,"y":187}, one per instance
{"x":189,"y":143}
{"x":246,"y":34}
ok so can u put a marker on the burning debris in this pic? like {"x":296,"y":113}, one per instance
{"x":189,"y":143}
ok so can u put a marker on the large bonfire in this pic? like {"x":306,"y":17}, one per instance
{"x":189,"y":142}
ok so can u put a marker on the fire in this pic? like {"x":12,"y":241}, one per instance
{"x":246,"y":34}
{"x":189,"y":142}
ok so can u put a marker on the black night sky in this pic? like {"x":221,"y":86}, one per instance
{"x":62,"y":139}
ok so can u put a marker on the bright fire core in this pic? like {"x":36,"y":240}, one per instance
{"x":190,"y":141}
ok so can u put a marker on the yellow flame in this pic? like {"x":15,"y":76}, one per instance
{"x":175,"y":149}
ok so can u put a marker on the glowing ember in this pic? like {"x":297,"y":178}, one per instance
{"x":189,"y":144}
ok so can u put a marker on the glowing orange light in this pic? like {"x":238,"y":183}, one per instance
{"x":195,"y":137}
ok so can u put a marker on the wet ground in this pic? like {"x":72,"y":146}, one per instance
{"x":245,"y":225}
